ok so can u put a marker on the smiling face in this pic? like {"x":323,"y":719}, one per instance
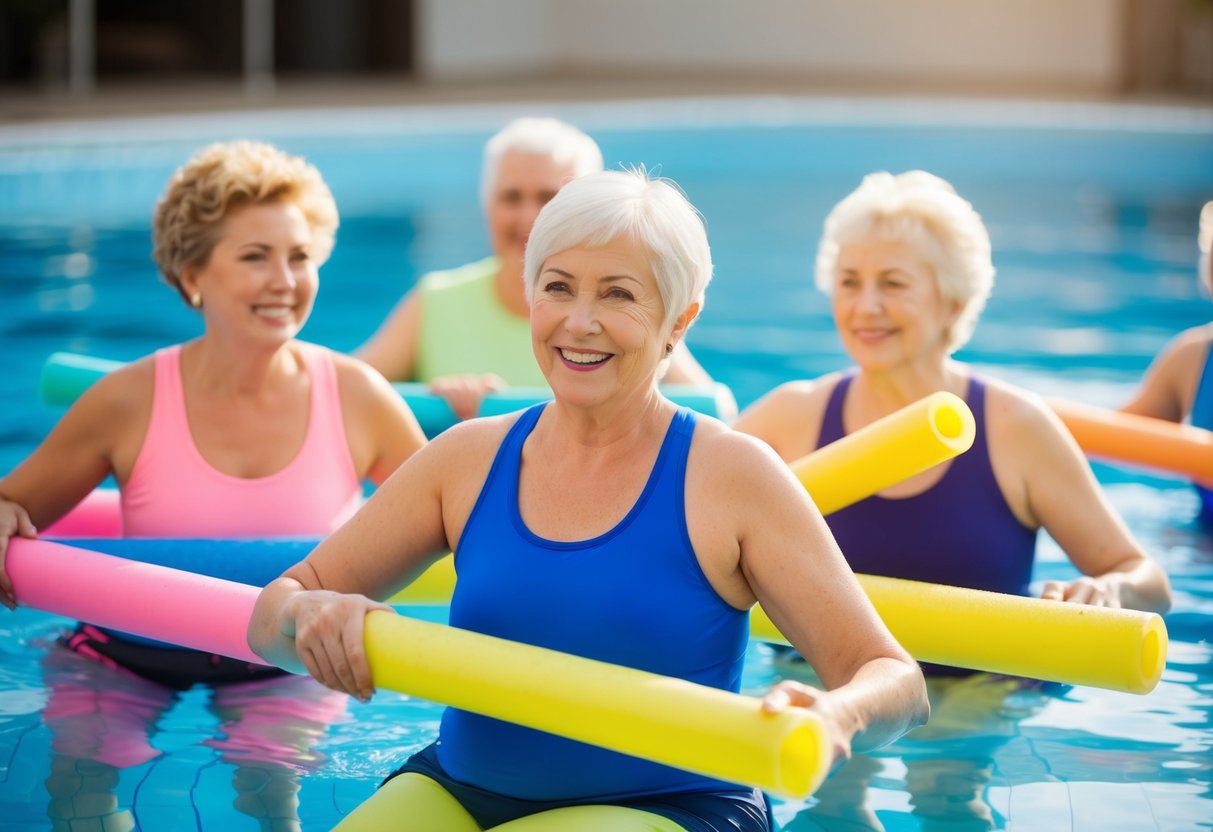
{"x":260,"y":281}
{"x":525,"y":182}
{"x":887,"y":306}
{"x":596,"y":322}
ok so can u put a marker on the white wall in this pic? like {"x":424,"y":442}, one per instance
{"x":1072,"y":44}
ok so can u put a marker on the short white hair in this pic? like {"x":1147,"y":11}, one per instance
{"x":924,"y":212}
{"x":602,"y":207}
{"x":551,"y":137}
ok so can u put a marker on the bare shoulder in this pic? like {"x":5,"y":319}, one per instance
{"x":355,"y":376}
{"x":789,"y":417}
{"x":466,"y":449}
{"x":123,"y":391}
{"x":738,"y":461}
{"x":1019,"y":418}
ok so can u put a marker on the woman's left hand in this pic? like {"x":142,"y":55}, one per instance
{"x":796,"y":694}
{"x":1094,"y":592}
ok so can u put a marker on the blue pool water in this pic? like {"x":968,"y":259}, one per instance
{"x":1092,"y":211}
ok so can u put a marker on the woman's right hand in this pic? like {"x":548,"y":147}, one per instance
{"x":13,"y":521}
{"x":327,"y":628}
{"x":464,"y":393}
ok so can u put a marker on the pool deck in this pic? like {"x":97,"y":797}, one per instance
{"x":114,"y":99}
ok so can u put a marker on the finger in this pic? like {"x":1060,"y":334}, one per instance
{"x":355,"y":651}
{"x":1053,"y":591}
{"x":25,"y":526}
{"x":318,"y":666}
{"x":776,"y":700}
{"x":1080,"y":592}
{"x":338,"y":658}
{"x":8,"y":596}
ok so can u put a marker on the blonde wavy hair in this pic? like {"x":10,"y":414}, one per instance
{"x":222,"y":178}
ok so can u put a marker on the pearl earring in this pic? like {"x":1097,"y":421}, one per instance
{"x":196,"y":300}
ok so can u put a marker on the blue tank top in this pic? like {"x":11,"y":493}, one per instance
{"x":634,"y":596}
{"x":959,"y":532}
{"x":1202,"y":417}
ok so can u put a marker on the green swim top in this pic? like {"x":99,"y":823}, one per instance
{"x":465,"y":329}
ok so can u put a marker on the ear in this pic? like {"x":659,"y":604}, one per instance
{"x":189,"y":279}
{"x":684,"y":321}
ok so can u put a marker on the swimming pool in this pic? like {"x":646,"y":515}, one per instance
{"x":1092,"y":211}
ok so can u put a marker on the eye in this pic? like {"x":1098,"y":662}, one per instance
{"x":619,"y":293}
{"x":300,"y":256}
{"x":556,"y":287}
{"x":253,"y":256}
{"x":509,"y":197}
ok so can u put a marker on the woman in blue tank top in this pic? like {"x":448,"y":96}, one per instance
{"x":1179,"y":384}
{"x":907,"y":265}
{"x":608,"y":524}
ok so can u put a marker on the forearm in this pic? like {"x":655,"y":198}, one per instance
{"x":883,"y":700}
{"x":271,"y":630}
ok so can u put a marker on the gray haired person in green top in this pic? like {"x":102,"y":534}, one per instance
{"x":466,"y":331}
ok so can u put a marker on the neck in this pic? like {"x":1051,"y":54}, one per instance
{"x":240,"y":370}
{"x":885,"y":391}
{"x":614,"y":428}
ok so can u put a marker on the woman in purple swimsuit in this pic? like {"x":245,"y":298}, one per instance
{"x":906,"y":263}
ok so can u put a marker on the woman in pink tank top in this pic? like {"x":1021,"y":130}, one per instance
{"x":243,"y":431}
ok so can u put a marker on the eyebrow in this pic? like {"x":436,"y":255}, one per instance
{"x":610,"y":278}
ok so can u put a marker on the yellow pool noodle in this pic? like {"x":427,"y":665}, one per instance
{"x":669,"y":721}
{"x":1116,"y":649}
{"x":1122,"y":650}
{"x":888,"y":451}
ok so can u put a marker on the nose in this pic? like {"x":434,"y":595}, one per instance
{"x":283,"y":276}
{"x":582,"y":318}
{"x":870,"y":299}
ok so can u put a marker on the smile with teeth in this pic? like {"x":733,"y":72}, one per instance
{"x":272,"y":311}
{"x":583,"y":357}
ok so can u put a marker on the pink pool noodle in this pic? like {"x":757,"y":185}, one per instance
{"x":191,"y":610}
{"x":97,"y":515}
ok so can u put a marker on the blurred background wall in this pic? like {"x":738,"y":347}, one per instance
{"x":1046,"y":47}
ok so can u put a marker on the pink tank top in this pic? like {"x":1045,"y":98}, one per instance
{"x":174,"y":492}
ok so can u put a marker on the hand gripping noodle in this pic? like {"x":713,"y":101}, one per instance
{"x":904,"y":443}
{"x":671,"y":721}
{"x":66,"y":375}
{"x":1141,"y":440}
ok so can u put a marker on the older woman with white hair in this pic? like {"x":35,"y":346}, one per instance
{"x":906,"y":262}
{"x":466,"y":331}
{"x":643,"y":532}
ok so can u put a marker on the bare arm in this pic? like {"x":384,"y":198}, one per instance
{"x":790,"y":562}
{"x":788,"y":418}
{"x":392,"y":350}
{"x":311,"y":618}
{"x":1044,"y":473}
{"x":381,"y":430}
{"x":74,"y":458}
{"x":1169,"y":386}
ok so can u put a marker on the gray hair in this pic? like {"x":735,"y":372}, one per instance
{"x":925,"y":212}
{"x":600,"y":207}
{"x":564,"y":143}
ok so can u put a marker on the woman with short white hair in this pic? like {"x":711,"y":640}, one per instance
{"x":465,"y":331}
{"x":642,"y":531}
{"x":906,"y":262}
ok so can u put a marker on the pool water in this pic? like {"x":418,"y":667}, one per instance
{"x":1092,"y":211}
